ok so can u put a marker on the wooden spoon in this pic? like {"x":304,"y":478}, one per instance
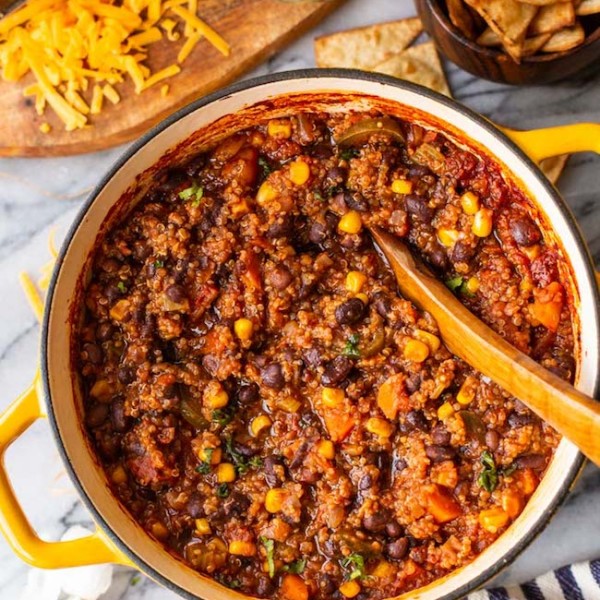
{"x":571,"y":413}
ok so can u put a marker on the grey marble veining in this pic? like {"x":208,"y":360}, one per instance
{"x":39,"y":195}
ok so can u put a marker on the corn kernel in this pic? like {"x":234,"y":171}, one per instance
{"x":289,"y":404}
{"x":118,"y":475}
{"x":45,"y":128}
{"x":240,"y":208}
{"x":350,"y":222}
{"x":215,"y":396}
{"x":470,"y":203}
{"x":242,"y":548}
{"x":383,"y":569}
{"x":380,"y":427}
{"x":472,"y":285}
{"x":279,"y":128}
{"x":101,"y":390}
{"x":448,"y":237}
{"x":402,"y":186}
{"x":332,"y":397}
{"x":243,"y":329}
{"x":433,"y":341}
{"x":362,"y":297}
{"x":350,"y":589}
{"x":225,"y":473}
{"x":299,"y":172}
{"x":532,"y":252}
{"x":259,"y":423}
{"x":355,"y":281}
{"x":266,"y":193}
{"x":445,"y":411}
{"x":482,"y":222}
{"x":416,"y":350}
{"x":215,"y":455}
{"x":493,"y":519}
{"x":326,"y":449}
{"x":159,"y":530}
{"x":512,"y":503}
{"x":202,"y":527}
{"x":274,"y":499}
{"x":120,"y":310}
{"x":467,"y":392}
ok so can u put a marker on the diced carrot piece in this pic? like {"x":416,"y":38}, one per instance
{"x":293,"y":588}
{"x":339,"y":424}
{"x":547,"y":313}
{"x":528,"y":481}
{"x":512,"y":502}
{"x":441,"y":504}
{"x":392,"y":396}
{"x":411,"y":570}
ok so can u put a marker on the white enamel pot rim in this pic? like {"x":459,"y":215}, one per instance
{"x":128,"y":537}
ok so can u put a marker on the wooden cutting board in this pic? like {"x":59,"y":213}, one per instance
{"x":255,"y":29}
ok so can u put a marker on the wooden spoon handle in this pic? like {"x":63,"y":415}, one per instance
{"x":570,"y":412}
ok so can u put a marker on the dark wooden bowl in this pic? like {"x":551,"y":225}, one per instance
{"x":496,"y":65}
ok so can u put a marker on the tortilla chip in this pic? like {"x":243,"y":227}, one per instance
{"x":553,"y":167}
{"x":509,"y":19}
{"x":565,"y":39}
{"x":553,"y":17}
{"x":461,"y":17}
{"x":489,"y":38}
{"x":588,"y":7}
{"x":419,"y":64}
{"x":364,"y":47}
{"x":532,"y":44}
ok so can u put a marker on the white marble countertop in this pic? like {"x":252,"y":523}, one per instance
{"x":41,"y":195}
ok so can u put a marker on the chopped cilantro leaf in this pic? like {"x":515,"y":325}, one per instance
{"x":204,"y":467}
{"x":193,"y":193}
{"x":508,"y":471}
{"x":454,"y":283}
{"x":296,"y":567}
{"x":351,"y":348}
{"x":159,"y":264}
{"x":488,"y":478}
{"x":223,"y":490}
{"x":317,"y":195}
{"x":121,"y":287}
{"x":265,"y":167}
{"x":241,"y":464}
{"x":270,"y":550}
{"x":356,"y":564}
{"x":349,"y":153}
{"x":221,"y":416}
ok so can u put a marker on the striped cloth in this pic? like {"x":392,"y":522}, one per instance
{"x":580,"y":581}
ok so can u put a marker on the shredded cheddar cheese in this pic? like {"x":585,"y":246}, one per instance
{"x":78,"y":50}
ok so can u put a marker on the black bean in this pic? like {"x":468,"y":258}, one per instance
{"x":399,"y":465}
{"x":236,"y":503}
{"x":96,"y":415}
{"x":104,"y":332}
{"x":118,"y":417}
{"x":326,"y":585}
{"x":524,"y":231}
{"x":335,"y":177}
{"x":437,"y":257}
{"x":382,"y":304}
{"x":171,"y":391}
{"x":112,"y":292}
{"x":248,"y":393}
{"x":516,"y":419}
{"x":393,"y":529}
{"x":321,"y":151}
{"x":350,"y":312}
{"x":264,"y":587}
{"x":176,"y":293}
{"x":195,"y":506}
{"x":244,"y":449}
{"x":272,"y":376}
{"x":365,"y":483}
{"x":272,"y":477}
{"x":125,"y":374}
{"x":282,"y":227}
{"x":356,"y":201}
{"x":417,"y":206}
{"x":312,"y":358}
{"x":398,"y":548}
{"x":415,"y":419}
{"x":210,"y":363}
{"x":530,"y":461}
{"x":377,"y":521}
{"x":418,"y":171}
{"x":318,"y":233}
{"x":94,"y":353}
{"x":336,"y":370}
{"x":280,"y":277}
{"x":440,"y":436}
{"x":463,"y":252}
{"x":438,"y":454}
{"x":412,"y":383}
{"x":492,"y":439}
{"x":300,"y":454}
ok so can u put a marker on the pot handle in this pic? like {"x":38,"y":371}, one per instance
{"x":17,"y":530}
{"x":564,"y":139}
